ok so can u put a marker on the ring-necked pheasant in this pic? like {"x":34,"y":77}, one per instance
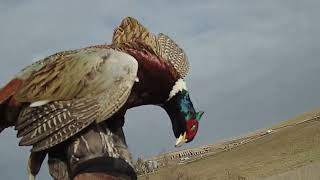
{"x":57,"y":97}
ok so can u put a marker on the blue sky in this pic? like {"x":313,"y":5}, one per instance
{"x":253,"y":63}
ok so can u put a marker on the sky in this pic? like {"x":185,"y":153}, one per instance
{"x":253,"y":63}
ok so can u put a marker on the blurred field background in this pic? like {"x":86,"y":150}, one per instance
{"x":290,"y":152}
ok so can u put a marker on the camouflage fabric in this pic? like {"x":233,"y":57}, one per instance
{"x":98,"y":152}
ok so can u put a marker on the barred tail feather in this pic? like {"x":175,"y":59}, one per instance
{"x":53,"y":123}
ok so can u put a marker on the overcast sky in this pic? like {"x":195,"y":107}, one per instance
{"x":253,"y":63}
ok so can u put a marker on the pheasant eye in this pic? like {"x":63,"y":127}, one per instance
{"x":194,"y":127}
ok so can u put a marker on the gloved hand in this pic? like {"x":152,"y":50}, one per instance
{"x":99,"y":152}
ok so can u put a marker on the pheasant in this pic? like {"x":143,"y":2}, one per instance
{"x":59,"y":96}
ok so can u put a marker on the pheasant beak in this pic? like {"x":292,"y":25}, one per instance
{"x":181,"y":140}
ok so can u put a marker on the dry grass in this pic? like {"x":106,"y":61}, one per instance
{"x":299,"y":118}
{"x":308,"y":172}
{"x":173,"y":173}
{"x":289,"y":150}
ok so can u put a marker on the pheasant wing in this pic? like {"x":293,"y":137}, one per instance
{"x":71,"y":93}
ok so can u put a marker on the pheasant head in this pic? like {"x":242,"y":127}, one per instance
{"x":184,"y":118}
